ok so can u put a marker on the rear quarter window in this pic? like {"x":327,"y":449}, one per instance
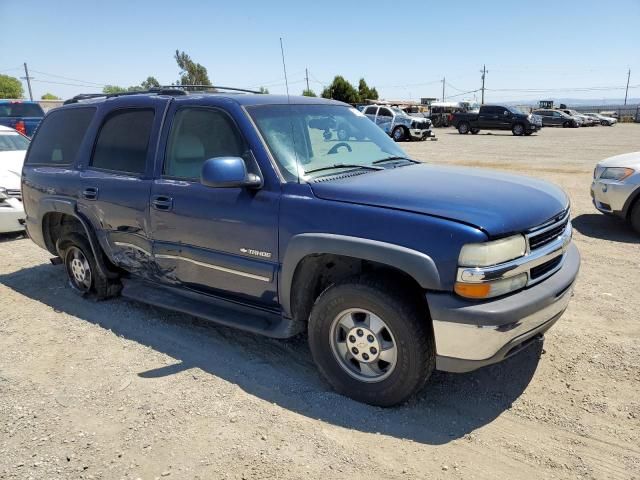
{"x":59,"y":137}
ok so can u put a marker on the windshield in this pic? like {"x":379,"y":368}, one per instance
{"x":12,"y":141}
{"x":20,"y":109}
{"x":398,"y":111}
{"x":515,"y":110}
{"x":303,"y":138}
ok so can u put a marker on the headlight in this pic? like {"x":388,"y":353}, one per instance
{"x":616,"y":173}
{"x":492,"y":253}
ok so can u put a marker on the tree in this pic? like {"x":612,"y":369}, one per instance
{"x":10,"y":87}
{"x":49,"y":96}
{"x":340,"y":89}
{"x":191,"y":73}
{"x":150,"y":83}
{"x":365,"y":92}
{"x":263,"y":90}
{"x":109,"y":89}
{"x":307,"y":92}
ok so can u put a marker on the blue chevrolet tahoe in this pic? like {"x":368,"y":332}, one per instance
{"x":250,"y":211}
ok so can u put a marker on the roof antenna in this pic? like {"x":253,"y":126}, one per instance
{"x":284,"y":67}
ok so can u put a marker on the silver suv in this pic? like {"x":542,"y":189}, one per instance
{"x":616,"y":187}
{"x":398,"y":124}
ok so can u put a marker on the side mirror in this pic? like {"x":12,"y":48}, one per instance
{"x":228,"y":172}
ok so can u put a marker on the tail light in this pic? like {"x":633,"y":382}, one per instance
{"x":20,"y":127}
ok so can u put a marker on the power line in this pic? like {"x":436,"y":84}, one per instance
{"x":68,"y":78}
{"x":63,"y":83}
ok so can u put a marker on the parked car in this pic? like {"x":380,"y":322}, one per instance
{"x":398,"y":124}
{"x":496,"y":117}
{"x":13,"y":147}
{"x":556,"y":118}
{"x":585,"y":119}
{"x":237,"y":209}
{"x":615,"y":189}
{"x":606,"y":121}
{"x":20,"y":115}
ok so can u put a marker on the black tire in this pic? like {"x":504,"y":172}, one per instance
{"x":634,"y":216}
{"x":518,"y":129}
{"x":475,"y":131}
{"x":408,"y":324}
{"x":464,"y":128}
{"x":566,"y":125}
{"x":98,"y":285}
{"x":399,"y":134}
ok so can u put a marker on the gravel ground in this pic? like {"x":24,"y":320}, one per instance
{"x":118,"y":389}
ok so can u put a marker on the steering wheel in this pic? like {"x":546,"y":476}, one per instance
{"x":335,"y":148}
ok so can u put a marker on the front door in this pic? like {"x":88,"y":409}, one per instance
{"x":220,"y":241}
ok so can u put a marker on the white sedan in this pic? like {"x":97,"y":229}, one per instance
{"x":13,"y":147}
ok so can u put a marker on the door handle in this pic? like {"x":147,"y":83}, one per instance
{"x":90,"y":193}
{"x":162,"y":202}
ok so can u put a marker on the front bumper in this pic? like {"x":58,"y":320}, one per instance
{"x":420,"y":133}
{"x":610,"y":196}
{"x":470,"y":335}
{"x":11,"y":216}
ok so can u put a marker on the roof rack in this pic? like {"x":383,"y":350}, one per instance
{"x":161,"y":90}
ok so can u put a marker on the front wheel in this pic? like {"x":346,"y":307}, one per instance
{"x":464,"y":128}
{"x":371,"y":341}
{"x":634,"y":217}
{"x":566,"y":125}
{"x":398,"y":134}
{"x":518,"y":129}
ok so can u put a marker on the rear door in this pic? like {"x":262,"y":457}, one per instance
{"x":220,"y":241}
{"x":116,"y":181}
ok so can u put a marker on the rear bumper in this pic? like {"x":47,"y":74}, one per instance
{"x":470,"y":335}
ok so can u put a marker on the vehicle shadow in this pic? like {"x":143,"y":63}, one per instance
{"x":8,"y":237}
{"x":449,"y":407}
{"x":605,"y":227}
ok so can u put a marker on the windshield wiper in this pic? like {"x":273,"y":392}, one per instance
{"x":344,"y":165}
{"x":389,"y":159}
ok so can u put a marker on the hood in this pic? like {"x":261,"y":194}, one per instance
{"x":495,"y":202}
{"x":11,"y":169}
{"x":629,"y":160}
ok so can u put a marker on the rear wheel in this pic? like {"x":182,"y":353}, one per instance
{"x":464,"y":128}
{"x":82,"y":272}
{"x":371,"y":341}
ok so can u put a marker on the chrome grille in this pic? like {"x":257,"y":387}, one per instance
{"x":15,"y":193}
{"x":547,"y":233}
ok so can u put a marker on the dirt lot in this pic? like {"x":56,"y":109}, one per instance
{"x":121,"y":390}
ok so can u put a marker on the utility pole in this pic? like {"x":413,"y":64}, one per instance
{"x":306,"y":76}
{"x":484,"y":73}
{"x":626,"y":93}
{"x":28,"y":79}
{"x":443,"y":89}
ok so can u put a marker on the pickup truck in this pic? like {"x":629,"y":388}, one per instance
{"x":241,"y":209}
{"x":21,"y":115}
{"x":399,"y":125}
{"x":496,"y":117}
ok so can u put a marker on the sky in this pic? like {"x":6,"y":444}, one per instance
{"x":532,"y":50}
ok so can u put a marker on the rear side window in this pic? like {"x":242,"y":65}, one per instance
{"x":370,"y":110}
{"x":18,"y":109}
{"x":197,"y":135}
{"x":59,"y":136}
{"x":123,"y":141}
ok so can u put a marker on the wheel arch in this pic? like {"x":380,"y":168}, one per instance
{"x":60,"y":217}
{"x":631,"y":202}
{"x":309,"y":259}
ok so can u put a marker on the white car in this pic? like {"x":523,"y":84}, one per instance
{"x":604,"y":120}
{"x":616,"y":187}
{"x":13,"y":147}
